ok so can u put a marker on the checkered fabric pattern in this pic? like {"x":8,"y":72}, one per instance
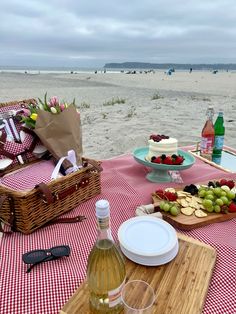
{"x":26,"y":178}
{"x":14,"y":147}
{"x":49,"y":285}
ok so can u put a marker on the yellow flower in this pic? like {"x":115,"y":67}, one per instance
{"x":34,"y":116}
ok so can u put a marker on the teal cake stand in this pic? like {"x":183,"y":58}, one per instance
{"x":160,"y":172}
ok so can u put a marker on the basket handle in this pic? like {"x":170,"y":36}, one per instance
{"x":35,"y":138}
{"x":45,"y":193}
{"x":92,"y":162}
{"x":48,"y":197}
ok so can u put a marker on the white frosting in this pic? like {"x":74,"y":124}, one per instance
{"x":167,"y":146}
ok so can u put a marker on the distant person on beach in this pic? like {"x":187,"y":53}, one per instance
{"x":190,"y":70}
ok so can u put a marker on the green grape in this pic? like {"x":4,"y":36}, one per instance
{"x":202,"y":188}
{"x":174,"y":211}
{"x":201,"y":193}
{"x":166,"y":207}
{"x":217,"y":191}
{"x":162,"y":203}
{"x":219,"y":202}
{"x":224,"y":199}
{"x":223,"y":193}
{"x":230,"y":195}
{"x":209,"y":192}
{"x":210,"y":209}
{"x":217,"y":209}
{"x":209,"y":197}
{"x":207,"y":203}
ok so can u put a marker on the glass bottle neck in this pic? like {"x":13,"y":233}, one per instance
{"x":103,"y":229}
{"x":210,"y":114}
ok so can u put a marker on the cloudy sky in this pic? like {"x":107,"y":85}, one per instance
{"x":93,"y":32}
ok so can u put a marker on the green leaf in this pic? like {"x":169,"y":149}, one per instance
{"x":30,"y":123}
{"x":41,"y":102}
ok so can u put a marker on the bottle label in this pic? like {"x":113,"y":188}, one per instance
{"x":103,"y":223}
{"x":207,"y":145}
{"x":216,"y":159}
{"x":115,"y":295}
{"x":219,"y":142}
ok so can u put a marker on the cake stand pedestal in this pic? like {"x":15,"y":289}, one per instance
{"x":159,"y":175}
{"x":160,"y":172}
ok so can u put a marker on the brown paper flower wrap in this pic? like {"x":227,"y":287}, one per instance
{"x":60,"y":133}
{"x":58,"y":126}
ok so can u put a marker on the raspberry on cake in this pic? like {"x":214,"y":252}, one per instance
{"x":161,"y":145}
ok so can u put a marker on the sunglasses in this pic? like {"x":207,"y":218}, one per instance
{"x":38,"y":256}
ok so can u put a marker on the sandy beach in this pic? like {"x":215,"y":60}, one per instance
{"x":173,"y":105}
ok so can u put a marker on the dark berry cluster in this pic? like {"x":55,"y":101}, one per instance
{"x":158,"y":138}
{"x":192,"y":189}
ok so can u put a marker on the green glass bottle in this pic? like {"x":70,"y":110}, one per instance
{"x":106,"y":267}
{"x":219,"y":134}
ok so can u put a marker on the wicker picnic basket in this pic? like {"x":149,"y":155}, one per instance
{"x":28,"y":210}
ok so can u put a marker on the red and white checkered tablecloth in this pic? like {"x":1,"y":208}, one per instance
{"x":49,"y":285}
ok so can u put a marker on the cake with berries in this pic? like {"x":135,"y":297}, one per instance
{"x":161,"y":145}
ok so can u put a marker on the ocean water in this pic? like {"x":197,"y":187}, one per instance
{"x":58,"y":70}
{"x":74,"y":70}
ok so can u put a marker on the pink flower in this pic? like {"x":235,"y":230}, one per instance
{"x":54,"y":101}
{"x":62,"y":107}
{"x":26,"y":112}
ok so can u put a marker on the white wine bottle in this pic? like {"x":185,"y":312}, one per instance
{"x":106,"y":267}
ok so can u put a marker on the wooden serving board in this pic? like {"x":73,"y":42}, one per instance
{"x":184,"y":222}
{"x":181,"y":286}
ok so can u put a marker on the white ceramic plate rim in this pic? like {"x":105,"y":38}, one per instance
{"x":39,"y":149}
{"x":158,"y":261}
{"x":4,"y":163}
{"x":159,"y":222}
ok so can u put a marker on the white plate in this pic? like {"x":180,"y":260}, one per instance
{"x":153,"y":260}
{"x":39,"y":149}
{"x":147,"y":236}
{"x":4,"y":163}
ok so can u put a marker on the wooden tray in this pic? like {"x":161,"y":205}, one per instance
{"x":181,"y":286}
{"x":184,"y":222}
{"x":196,"y":153}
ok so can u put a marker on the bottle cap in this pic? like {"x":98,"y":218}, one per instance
{"x":102,"y":208}
{"x":210,"y":110}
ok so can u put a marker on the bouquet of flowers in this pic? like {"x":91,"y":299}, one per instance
{"x":53,"y":106}
{"x":58,"y":126}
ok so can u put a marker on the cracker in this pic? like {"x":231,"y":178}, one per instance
{"x":188,"y":199}
{"x":200,"y":213}
{"x":188,"y":211}
{"x":194,"y":204}
{"x":184,"y":203}
{"x":183,"y":193}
